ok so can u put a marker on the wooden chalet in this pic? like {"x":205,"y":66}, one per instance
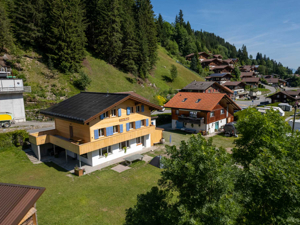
{"x":238,"y":88}
{"x":282,"y":82}
{"x":286,"y":96}
{"x":98,"y":127}
{"x":218,"y":56}
{"x":247,"y":74}
{"x":252,"y":82}
{"x":219,"y":77}
{"x":246,"y":68}
{"x":211,"y":63}
{"x":18,"y":204}
{"x":228,"y":62}
{"x":207,"y":87}
{"x":272,"y":81}
{"x":222,"y":69}
{"x":201,"y":56}
{"x":201,"y":112}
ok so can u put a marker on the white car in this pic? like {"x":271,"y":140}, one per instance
{"x":162,"y":109}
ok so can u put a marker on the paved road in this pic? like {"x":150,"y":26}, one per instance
{"x":33,"y":123}
{"x":257,"y":102}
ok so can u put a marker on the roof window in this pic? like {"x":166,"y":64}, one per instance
{"x":198,"y":100}
{"x":184,"y":99}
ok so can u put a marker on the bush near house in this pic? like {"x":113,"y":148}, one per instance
{"x":14,"y":138}
{"x":163,"y":118}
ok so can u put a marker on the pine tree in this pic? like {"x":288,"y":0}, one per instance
{"x":66,"y":36}
{"x":189,"y":28}
{"x":180,"y":18}
{"x":160,"y":26}
{"x":109,"y":41}
{"x":6,"y":39}
{"x":130,"y":50}
{"x":28,"y":18}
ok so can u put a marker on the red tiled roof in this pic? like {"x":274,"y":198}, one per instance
{"x":207,"y":102}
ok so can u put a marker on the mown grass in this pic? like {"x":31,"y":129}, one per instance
{"x":98,"y":198}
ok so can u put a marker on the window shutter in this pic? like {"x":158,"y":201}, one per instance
{"x":128,"y":110}
{"x":119,"y":112}
{"x":109,"y":131}
{"x":102,"y":116}
{"x":127,"y":126}
{"x":147,"y":122}
{"x":96,"y":134}
{"x":137,"y":124}
{"x":142,"y":108}
{"x":121,"y":128}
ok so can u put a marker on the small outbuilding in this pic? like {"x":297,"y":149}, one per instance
{"x":156,"y":161}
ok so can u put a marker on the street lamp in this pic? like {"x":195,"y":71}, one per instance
{"x":296,"y":105}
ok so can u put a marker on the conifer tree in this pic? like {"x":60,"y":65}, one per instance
{"x":6,"y":39}
{"x":28,"y":18}
{"x":66,"y":35}
{"x":180,"y":18}
{"x":160,"y":27}
{"x":130,"y":50}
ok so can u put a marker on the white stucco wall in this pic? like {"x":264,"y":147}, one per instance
{"x":14,"y":104}
{"x":211,"y":127}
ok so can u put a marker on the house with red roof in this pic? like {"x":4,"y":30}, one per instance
{"x":201,"y":111}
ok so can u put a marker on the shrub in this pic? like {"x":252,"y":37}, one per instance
{"x":161,"y":100}
{"x":163,"y":118}
{"x":83,"y":81}
{"x":16,"y":138}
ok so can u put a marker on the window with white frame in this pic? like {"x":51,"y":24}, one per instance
{"x":131,"y":125}
{"x":105,"y":115}
{"x":222,"y":111}
{"x":113,"y":112}
{"x":212,"y":114}
{"x":101,"y":132}
{"x":143,"y":122}
{"x":138,"y":140}
{"x":105,"y":150}
{"x":115,"y":129}
{"x":124,"y":144}
{"x":137,"y":108}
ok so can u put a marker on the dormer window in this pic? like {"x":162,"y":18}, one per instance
{"x":184,"y":99}
{"x":198,"y":100}
{"x":113,"y":112}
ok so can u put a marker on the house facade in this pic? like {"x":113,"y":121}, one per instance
{"x":211,"y":63}
{"x":18,"y":204}
{"x":238,"y":88}
{"x":201,"y":56}
{"x":219,"y":77}
{"x":98,"y":127}
{"x":201,"y":111}
{"x":222,"y":69}
{"x":285,"y":96}
{"x":252,"y":82}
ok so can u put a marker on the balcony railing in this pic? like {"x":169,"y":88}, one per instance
{"x":15,"y":89}
{"x":192,"y":120}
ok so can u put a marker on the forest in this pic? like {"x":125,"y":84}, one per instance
{"x":124,"y":33}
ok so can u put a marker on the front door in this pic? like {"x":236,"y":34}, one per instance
{"x":179,"y":125}
{"x":217,"y":126}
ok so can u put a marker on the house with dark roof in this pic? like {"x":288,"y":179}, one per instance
{"x":201,"y":56}
{"x":18,"y":204}
{"x":247,"y":74}
{"x":200,"y":112}
{"x":219,"y":77}
{"x":95,"y":128}
{"x":238,"y":87}
{"x":222,"y":69}
{"x":207,"y":87}
{"x":211,"y":62}
{"x":228,"y":62}
{"x":286,"y":96}
{"x":252,"y":82}
{"x":247,"y":68}
{"x":218,"y":56}
{"x":272,"y":81}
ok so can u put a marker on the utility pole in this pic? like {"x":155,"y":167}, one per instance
{"x":296,"y":104}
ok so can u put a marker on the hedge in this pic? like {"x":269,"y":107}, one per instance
{"x":16,"y":138}
{"x":163,"y":118}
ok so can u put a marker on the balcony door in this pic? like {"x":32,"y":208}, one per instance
{"x":71,"y":131}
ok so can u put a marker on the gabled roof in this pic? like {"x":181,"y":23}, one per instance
{"x":218,"y":56}
{"x":228,"y":61}
{"x":219,"y":75}
{"x":250,"y":79}
{"x":247,"y":74}
{"x":211,"y":60}
{"x":207,"y":102}
{"x":86,"y":106}
{"x":233,"y":83}
{"x":16,"y":201}
{"x":272,"y":80}
{"x":221,"y":67}
{"x":202,"y":86}
{"x":199,"y":53}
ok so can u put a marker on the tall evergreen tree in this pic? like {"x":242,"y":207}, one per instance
{"x":6,"y":39}
{"x":28,"y":18}
{"x":130,"y":50}
{"x":160,"y":27}
{"x":66,"y":36}
{"x":189,"y":28}
{"x":180,"y":18}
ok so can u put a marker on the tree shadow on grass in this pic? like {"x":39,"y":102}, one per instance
{"x":55,"y":166}
{"x":167,"y":79}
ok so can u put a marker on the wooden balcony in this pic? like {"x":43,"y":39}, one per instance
{"x":192,"y":120}
{"x":82,"y":148}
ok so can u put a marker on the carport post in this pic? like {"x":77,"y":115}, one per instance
{"x":54,"y":149}
{"x":79,"y":159}
{"x":39,"y":152}
{"x":66,"y":155}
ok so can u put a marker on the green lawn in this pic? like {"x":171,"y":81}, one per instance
{"x":97,"y":198}
{"x":218,"y":140}
{"x":264,"y":90}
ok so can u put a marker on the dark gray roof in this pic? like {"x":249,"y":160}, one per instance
{"x":198,"y":85}
{"x":86,"y":105}
{"x":219,"y":74}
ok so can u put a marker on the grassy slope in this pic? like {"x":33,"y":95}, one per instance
{"x":97,"y":198}
{"x":106,"y":77}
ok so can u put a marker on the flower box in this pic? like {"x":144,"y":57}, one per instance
{"x":79,"y":172}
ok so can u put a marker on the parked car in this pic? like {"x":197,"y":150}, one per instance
{"x":230,"y":129}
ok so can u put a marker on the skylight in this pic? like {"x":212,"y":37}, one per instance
{"x":198,"y":100}
{"x":184,"y":99}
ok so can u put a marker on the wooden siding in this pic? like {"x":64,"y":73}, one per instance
{"x":156,"y":136}
{"x":80,"y":131}
{"x":124,"y":119}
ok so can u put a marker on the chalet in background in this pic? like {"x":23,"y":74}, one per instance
{"x":247,"y":74}
{"x":286,"y":96}
{"x":252,"y":82}
{"x":273,"y":81}
{"x":98,"y":127}
{"x":222,"y":69}
{"x":207,"y":87}
{"x":218,"y":56}
{"x":211,"y":63}
{"x":238,"y":87}
{"x":201,"y":112}
{"x":219,"y":77}
{"x":201,"y":56}
{"x":18,"y":204}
